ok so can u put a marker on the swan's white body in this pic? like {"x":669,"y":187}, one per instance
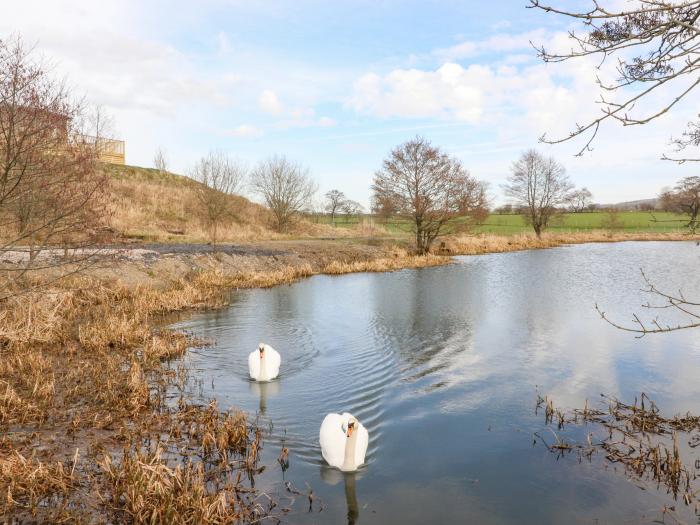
{"x":264,"y":363}
{"x":340,"y":450}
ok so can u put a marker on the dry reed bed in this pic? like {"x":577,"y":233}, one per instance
{"x":637,"y":437}
{"x":87,"y":432}
{"x":487,"y":243}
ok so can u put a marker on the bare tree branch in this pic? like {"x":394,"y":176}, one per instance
{"x":656,"y":43}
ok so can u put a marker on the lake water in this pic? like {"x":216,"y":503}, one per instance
{"x":443,"y":366}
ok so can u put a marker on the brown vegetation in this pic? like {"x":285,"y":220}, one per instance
{"x":87,"y":363}
{"x":489,"y":243}
{"x":637,"y":437}
{"x":150,"y":205}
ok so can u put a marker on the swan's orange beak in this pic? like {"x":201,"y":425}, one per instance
{"x":351,"y":427}
{"x":261,"y":353}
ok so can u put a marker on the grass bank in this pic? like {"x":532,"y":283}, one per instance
{"x":490,"y":243}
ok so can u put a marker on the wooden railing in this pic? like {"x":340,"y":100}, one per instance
{"x":108,"y":150}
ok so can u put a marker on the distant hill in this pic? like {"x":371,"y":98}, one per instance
{"x":631,"y":205}
{"x":154,"y":206}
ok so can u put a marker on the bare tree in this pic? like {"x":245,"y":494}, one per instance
{"x":657,"y":47}
{"x":384,"y":207}
{"x":684,"y":198}
{"x":100,"y":124}
{"x":285,"y":187}
{"x":539,"y":184}
{"x":160,"y":161}
{"x":351,"y":207}
{"x":51,"y":194}
{"x":578,"y":200}
{"x":220,"y":177}
{"x":335,"y":199}
{"x":429,"y":187}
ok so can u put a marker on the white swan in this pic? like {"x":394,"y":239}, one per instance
{"x":264,"y":363}
{"x":343,"y":441}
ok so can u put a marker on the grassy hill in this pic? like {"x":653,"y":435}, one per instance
{"x":162,"y":207}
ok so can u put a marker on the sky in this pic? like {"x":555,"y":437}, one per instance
{"x":335,"y":86}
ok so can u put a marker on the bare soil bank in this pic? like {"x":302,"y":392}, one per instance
{"x":158,"y":264}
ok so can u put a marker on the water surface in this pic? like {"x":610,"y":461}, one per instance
{"x":443,"y":366}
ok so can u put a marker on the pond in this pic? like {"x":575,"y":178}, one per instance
{"x":443,"y":366}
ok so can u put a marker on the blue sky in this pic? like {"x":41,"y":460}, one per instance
{"x":336,"y":85}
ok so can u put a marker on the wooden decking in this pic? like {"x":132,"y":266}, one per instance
{"x":108,"y":150}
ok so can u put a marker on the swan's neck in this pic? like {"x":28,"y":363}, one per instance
{"x":349,"y":460}
{"x":263,"y":366}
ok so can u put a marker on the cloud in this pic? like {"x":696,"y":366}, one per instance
{"x":245,"y":131}
{"x":326,"y":122}
{"x":496,"y":44}
{"x":269,"y":102}
{"x":451,"y":91}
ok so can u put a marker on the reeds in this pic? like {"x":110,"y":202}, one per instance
{"x":30,"y":485}
{"x":95,"y":372}
{"x":398,"y":259}
{"x":637,"y":437}
{"x":490,"y":243}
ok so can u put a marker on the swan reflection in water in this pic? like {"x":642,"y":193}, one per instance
{"x":264,"y":390}
{"x":333,"y":476}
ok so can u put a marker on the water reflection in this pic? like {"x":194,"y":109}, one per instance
{"x":263,"y":391}
{"x":333,"y":476}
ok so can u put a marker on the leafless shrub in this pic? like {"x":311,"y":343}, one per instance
{"x":220,"y":177}
{"x":285,"y":187}
{"x":160,"y":161}
{"x":612,"y":220}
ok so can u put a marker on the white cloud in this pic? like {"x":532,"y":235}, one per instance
{"x":245,"y":131}
{"x":451,"y":91}
{"x":269,"y":102}
{"x":499,"y":43}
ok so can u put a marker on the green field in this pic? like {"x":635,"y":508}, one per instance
{"x":630,"y":221}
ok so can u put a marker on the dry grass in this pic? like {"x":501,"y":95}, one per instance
{"x":29,"y":484}
{"x":489,"y":243}
{"x":398,"y":260}
{"x":95,"y":369}
{"x":148,"y":487}
{"x":151,"y":206}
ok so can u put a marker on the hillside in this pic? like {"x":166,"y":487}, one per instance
{"x":152,"y":206}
